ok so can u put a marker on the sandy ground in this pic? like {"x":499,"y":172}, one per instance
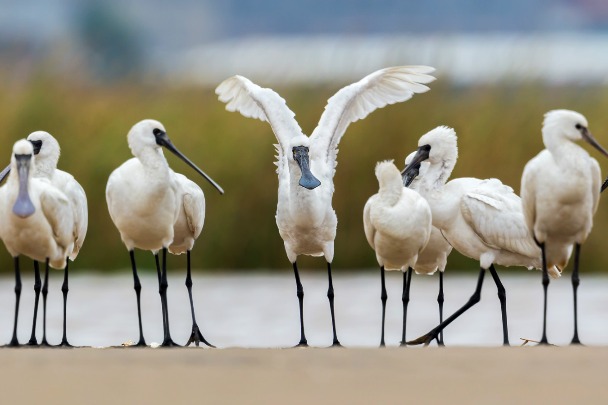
{"x":556,"y":375}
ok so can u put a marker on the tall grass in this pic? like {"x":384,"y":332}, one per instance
{"x":498,"y":129}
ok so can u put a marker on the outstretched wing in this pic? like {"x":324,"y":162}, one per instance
{"x":495,"y":213}
{"x":242,"y":95}
{"x":356,"y":101}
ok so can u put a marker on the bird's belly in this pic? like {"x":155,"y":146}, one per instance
{"x":396,"y":253}
{"x":564,"y":220}
{"x":33,"y":238}
{"x":307,"y":240}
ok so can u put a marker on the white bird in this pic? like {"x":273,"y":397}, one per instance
{"x":397,"y":224}
{"x":560,"y":190}
{"x":35,"y":218}
{"x":305,"y":218}
{"x":143,"y":201}
{"x":481,"y":219}
{"x":434,"y":256}
{"x":186,"y":230}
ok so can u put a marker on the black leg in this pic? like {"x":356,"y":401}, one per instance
{"x":440,"y":302}
{"x":196,"y":336}
{"x":300,"y":292}
{"x":475,"y":298}
{"x":502,"y":296}
{"x":137,"y":288}
{"x":543,"y":340}
{"x":14,"y":341}
{"x":45,"y":293}
{"x":330,"y":297}
{"x":160,"y":293}
{"x":575,"y":283}
{"x":64,"y":290}
{"x":383,"y":298}
{"x":37,"y":285}
{"x":167,"y":341}
{"x":405,"y":299}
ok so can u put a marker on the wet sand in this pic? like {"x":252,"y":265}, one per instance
{"x":305,"y":376}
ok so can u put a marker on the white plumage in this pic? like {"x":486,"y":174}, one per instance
{"x":35,"y":217}
{"x":482,"y":219}
{"x":560,"y":189}
{"x":145,"y":199}
{"x":397,"y":223}
{"x":306,"y":166}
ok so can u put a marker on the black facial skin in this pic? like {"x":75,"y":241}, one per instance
{"x":411,"y":171}
{"x":37,"y":146}
{"x":589,"y":138}
{"x":307,"y":180}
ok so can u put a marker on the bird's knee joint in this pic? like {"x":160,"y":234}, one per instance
{"x":330,"y":294}
{"x":189,"y":283}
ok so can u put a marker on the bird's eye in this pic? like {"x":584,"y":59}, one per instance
{"x":578,"y":126}
{"x":156,"y":131}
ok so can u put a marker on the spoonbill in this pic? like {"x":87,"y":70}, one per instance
{"x":306,"y":165}
{"x":560,"y":190}
{"x":35,"y":219}
{"x":434,"y":256}
{"x":143,"y":200}
{"x":481,"y":219}
{"x":397,"y":224}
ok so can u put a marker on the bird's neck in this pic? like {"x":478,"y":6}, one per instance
{"x":45,"y":168}
{"x":563,"y":150}
{"x":390,"y":191}
{"x":155,"y":163}
{"x":306,"y":206}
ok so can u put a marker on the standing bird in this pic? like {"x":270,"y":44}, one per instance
{"x":481,"y":219}
{"x":46,"y":149}
{"x":434,"y":256}
{"x":305,"y":218}
{"x":397,"y":223}
{"x":560,"y":190}
{"x":35,"y":219}
{"x":186,"y":230}
{"x":143,"y":201}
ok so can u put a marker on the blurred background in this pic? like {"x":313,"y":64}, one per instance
{"x":86,"y":71}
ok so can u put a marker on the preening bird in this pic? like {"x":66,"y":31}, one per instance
{"x":560,"y":190}
{"x":434,"y":256}
{"x":143,"y":201}
{"x":397,"y":224}
{"x":482,"y":219}
{"x":35,"y":219}
{"x":306,"y":165}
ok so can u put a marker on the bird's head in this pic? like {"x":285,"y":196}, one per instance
{"x":300,"y":155}
{"x":46,"y":147}
{"x":151,"y":134}
{"x":570,"y":125}
{"x":438,"y":146}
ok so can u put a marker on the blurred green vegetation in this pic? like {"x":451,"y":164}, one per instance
{"x":498,"y":129}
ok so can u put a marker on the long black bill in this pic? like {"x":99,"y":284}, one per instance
{"x":412,"y":170}
{"x":5,"y":173}
{"x":589,"y":138}
{"x":307,"y":180}
{"x":604,"y":185}
{"x":23,"y":206}
{"x":409,"y":176}
{"x":163,"y":140}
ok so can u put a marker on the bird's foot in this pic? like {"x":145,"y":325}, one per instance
{"x":336,"y":343}
{"x":402,"y":344}
{"x":303,"y":343}
{"x":576,"y":341}
{"x":423,"y":340}
{"x":14,"y":343}
{"x":45,"y":343}
{"x":197,"y":337}
{"x":168,"y":342}
{"x":32,"y":342}
{"x":65,"y":343}
{"x":542,"y":342}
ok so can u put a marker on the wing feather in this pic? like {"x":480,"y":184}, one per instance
{"x":58,"y":211}
{"x":495,"y":213}
{"x":370,"y":231}
{"x":358,"y":100}
{"x":242,"y":95}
